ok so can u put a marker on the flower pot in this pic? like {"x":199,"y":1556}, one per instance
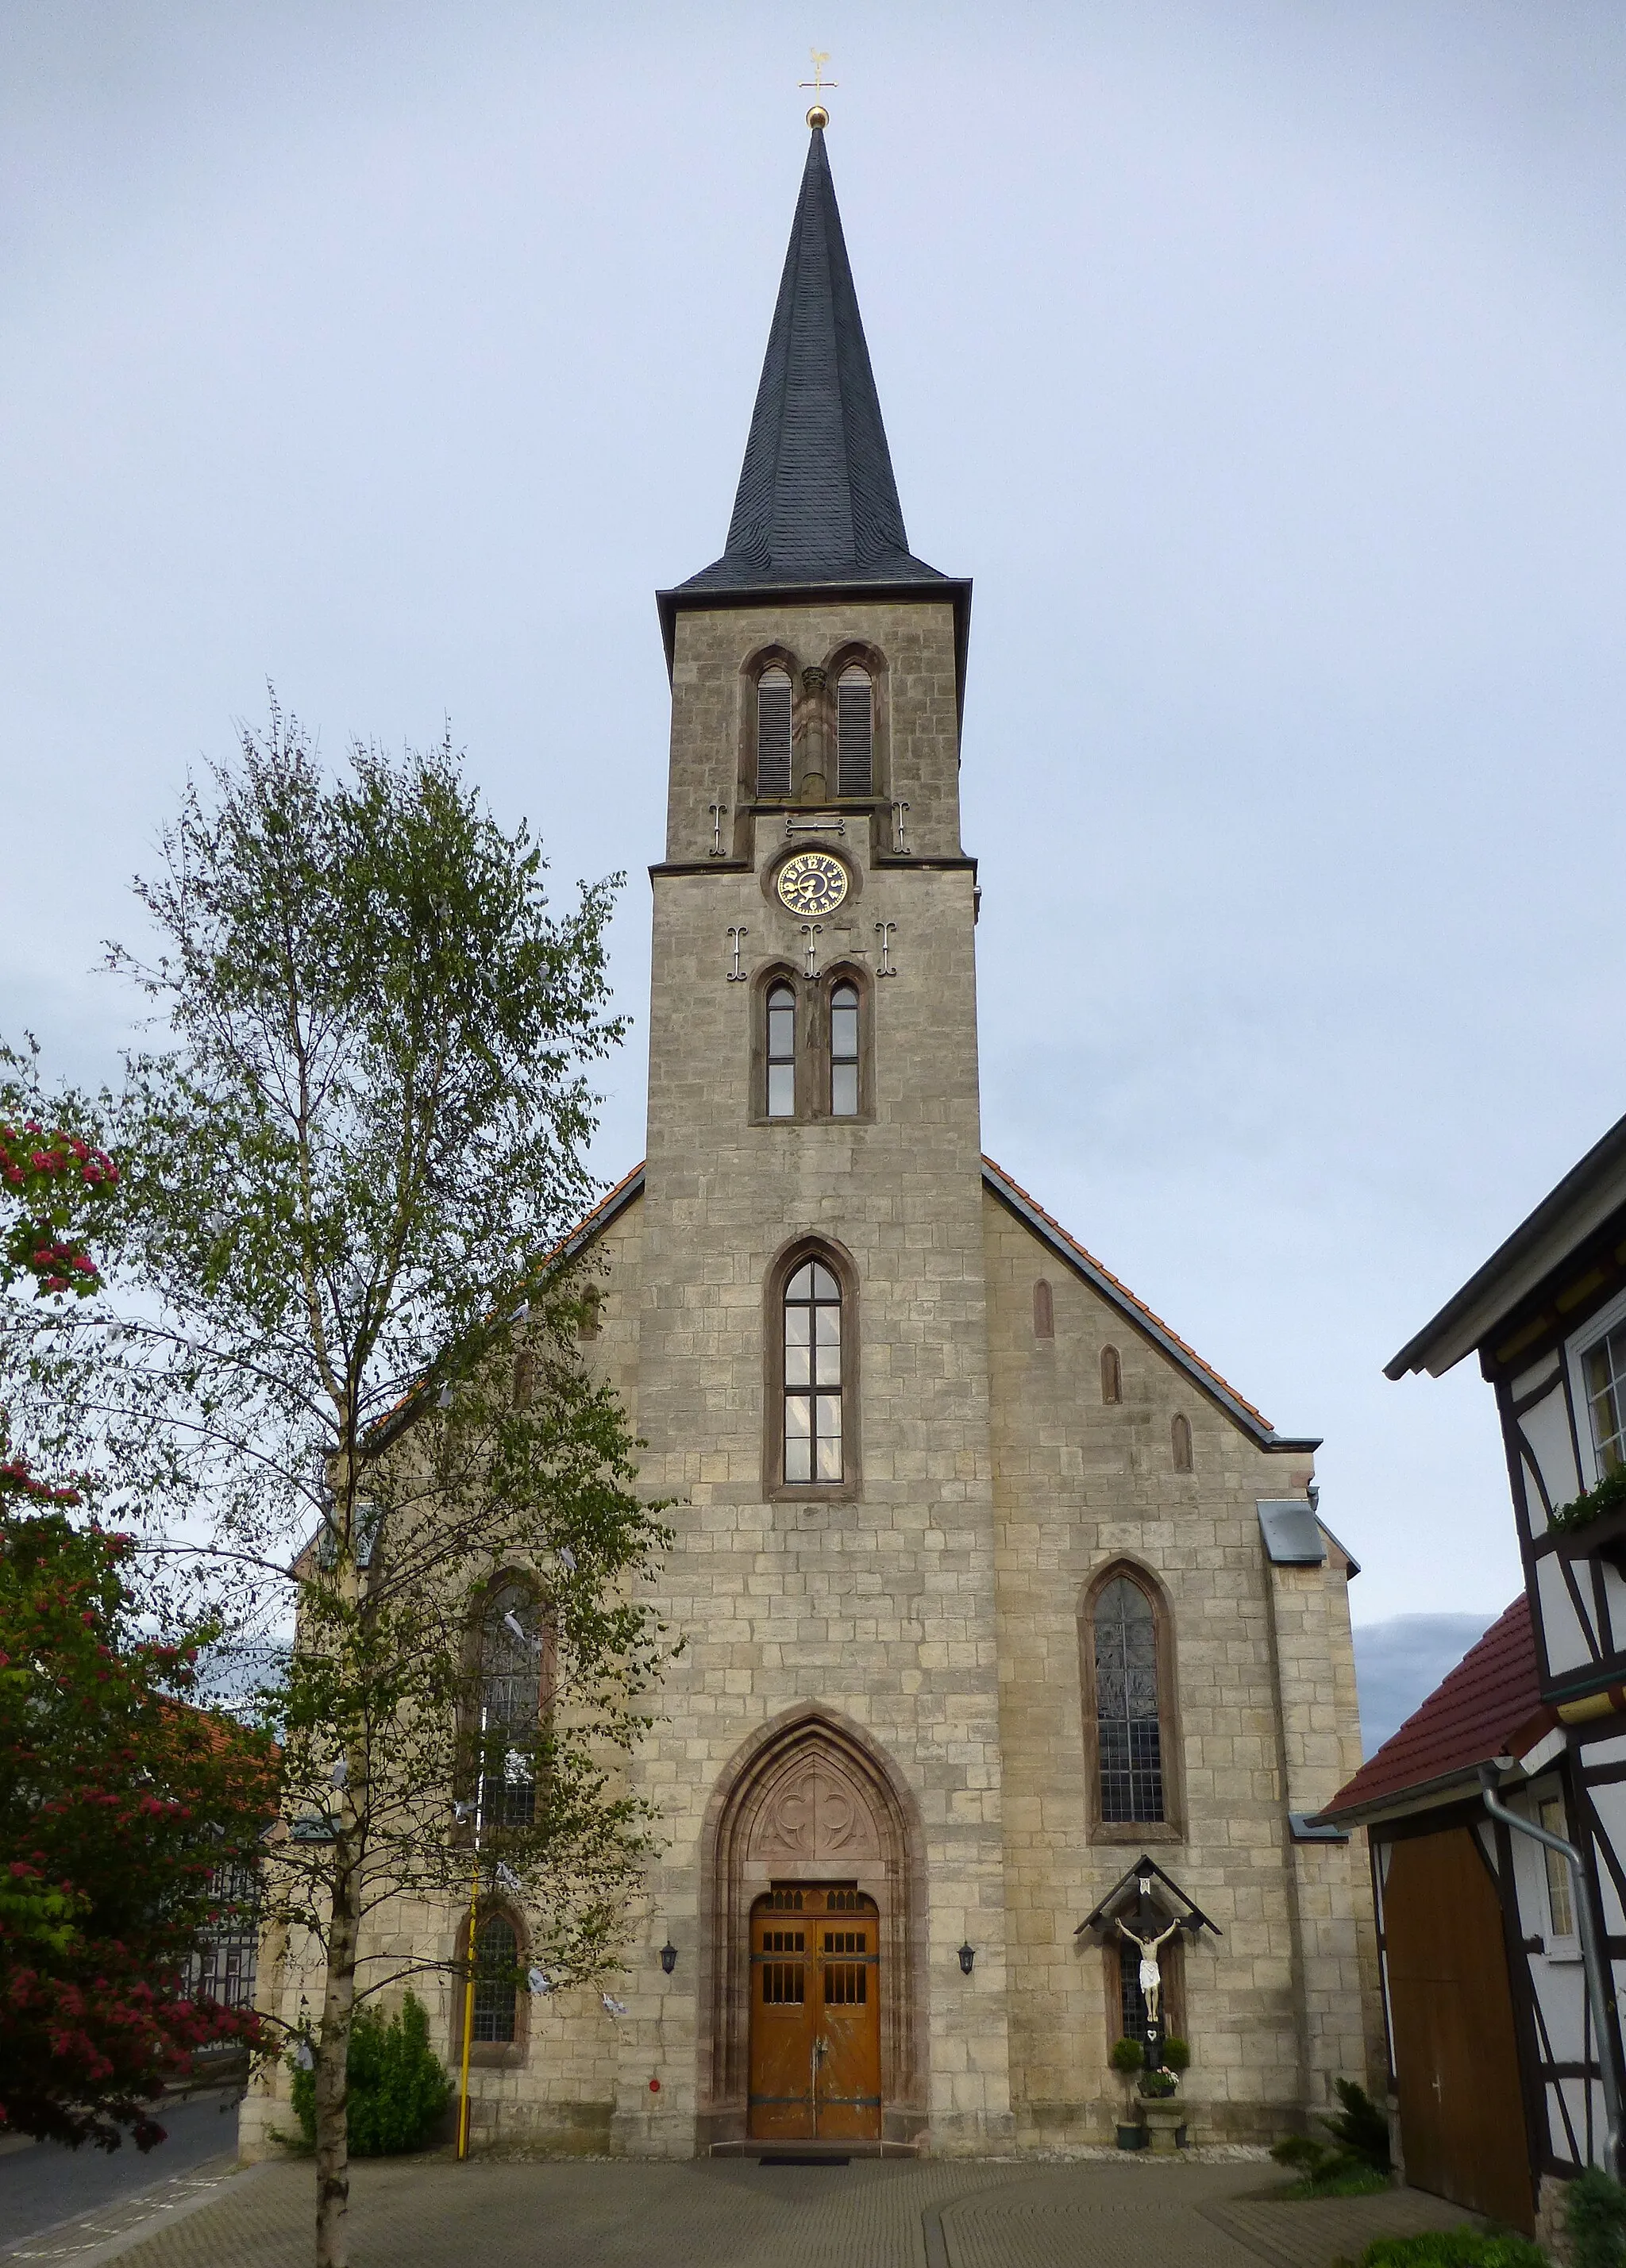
{"x":1165,"y":2116}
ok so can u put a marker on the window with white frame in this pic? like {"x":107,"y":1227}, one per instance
{"x":1603,"y":1376}
{"x":1559,"y":1909}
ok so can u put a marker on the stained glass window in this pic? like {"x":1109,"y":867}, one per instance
{"x":1129,"y":1740}
{"x":512,"y":1646}
{"x":496,"y":1990}
{"x":813,"y":1374}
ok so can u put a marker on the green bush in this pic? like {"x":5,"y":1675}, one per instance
{"x":1128,"y":2056}
{"x":1454,"y":2248}
{"x":1176,"y":2054}
{"x":397,"y":2087}
{"x":1361,"y":2128}
{"x":1595,"y":2217}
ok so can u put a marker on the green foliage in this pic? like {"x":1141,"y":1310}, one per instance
{"x":1595,"y":2219}
{"x":1581,"y":1511}
{"x":1157,"y":2086}
{"x":1454,"y":2248}
{"x":1361,"y":2128}
{"x":1176,"y":2053}
{"x":1128,"y":2057}
{"x":397,"y":2088}
{"x":1355,"y":2162}
{"x":120,"y":1806}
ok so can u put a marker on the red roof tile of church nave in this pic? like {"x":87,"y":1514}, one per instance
{"x":1124,"y":1292}
{"x":1472,"y":1715}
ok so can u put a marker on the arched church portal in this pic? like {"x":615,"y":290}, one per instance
{"x":812,"y":1985}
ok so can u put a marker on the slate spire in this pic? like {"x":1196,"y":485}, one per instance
{"x":817,"y":503}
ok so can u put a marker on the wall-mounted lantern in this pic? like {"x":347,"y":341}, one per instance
{"x":669,"y":1956}
{"x":967,"y":1955}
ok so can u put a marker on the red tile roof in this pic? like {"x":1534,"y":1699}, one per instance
{"x":1473,"y":1715}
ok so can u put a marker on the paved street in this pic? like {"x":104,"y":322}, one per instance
{"x":734,"y":2213}
{"x":41,"y":2182}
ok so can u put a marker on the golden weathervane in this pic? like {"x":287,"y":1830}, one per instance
{"x":815,"y":86}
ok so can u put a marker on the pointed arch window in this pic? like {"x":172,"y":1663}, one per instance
{"x":812,"y":1375}
{"x":496,"y":1988}
{"x":1128,"y":1733}
{"x":844,"y":1052}
{"x":773,"y":733}
{"x":780,"y":1052}
{"x":514,"y":1666}
{"x":855,"y":733}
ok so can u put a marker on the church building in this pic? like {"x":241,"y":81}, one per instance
{"x":1011,"y":1627}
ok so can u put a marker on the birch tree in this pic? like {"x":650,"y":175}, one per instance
{"x":349,"y":1169}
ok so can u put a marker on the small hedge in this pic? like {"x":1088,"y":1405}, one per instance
{"x":1454,"y":2248}
{"x":1355,"y":2160}
{"x":1595,"y":2219}
{"x":397,"y":2087}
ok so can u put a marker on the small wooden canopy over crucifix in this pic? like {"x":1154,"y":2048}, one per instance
{"x":1142,"y":1908}
{"x":1149,"y":1903}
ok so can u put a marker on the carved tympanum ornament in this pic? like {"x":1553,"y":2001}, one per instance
{"x":814,"y":1812}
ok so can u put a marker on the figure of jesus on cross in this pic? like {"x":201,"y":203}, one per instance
{"x":1151,"y":1975}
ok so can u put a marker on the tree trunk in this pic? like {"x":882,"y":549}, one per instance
{"x":333,"y":2146}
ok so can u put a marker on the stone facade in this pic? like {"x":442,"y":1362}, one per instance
{"x":887,"y":1679}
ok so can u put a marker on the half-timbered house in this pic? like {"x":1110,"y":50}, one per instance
{"x":1546,"y":1317}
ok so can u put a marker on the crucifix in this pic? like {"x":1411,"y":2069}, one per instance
{"x":817,"y":85}
{"x":1151,"y":1975}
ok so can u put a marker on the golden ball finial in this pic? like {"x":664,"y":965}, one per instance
{"x":818,"y":117}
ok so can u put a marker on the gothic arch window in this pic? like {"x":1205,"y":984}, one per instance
{"x":1128,"y":1679}
{"x":497,"y":1985}
{"x":812,"y":1375}
{"x":1112,"y":1375}
{"x":1044,"y":1311}
{"x":773,"y":731}
{"x":514,"y":1675}
{"x":846,"y":1011}
{"x":809,"y":1448}
{"x":855,"y":732}
{"x":1180,"y":1442}
{"x":779,"y":1052}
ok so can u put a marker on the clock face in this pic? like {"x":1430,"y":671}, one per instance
{"x":811,"y":882}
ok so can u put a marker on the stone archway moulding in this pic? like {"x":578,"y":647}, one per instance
{"x":810,"y":1798}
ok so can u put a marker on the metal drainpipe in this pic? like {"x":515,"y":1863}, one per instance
{"x":1592,"y":1960}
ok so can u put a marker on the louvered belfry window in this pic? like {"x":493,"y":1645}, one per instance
{"x":855,"y":733}
{"x":813,"y":1374}
{"x":773,"y":733}
{"x":1129,"y":1740}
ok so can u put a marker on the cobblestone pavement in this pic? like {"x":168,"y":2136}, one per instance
{"x":734,"y":2213}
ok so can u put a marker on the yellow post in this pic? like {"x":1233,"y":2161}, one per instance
{"x":468,"y":2003}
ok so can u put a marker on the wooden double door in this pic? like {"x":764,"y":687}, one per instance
{"x":1456,"y":2052}
{"x":815,"y":2015}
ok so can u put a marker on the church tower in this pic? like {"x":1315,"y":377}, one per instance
{"x":812,"y":1358}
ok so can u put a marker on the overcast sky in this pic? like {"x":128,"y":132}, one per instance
{"x":1263,"y":364}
